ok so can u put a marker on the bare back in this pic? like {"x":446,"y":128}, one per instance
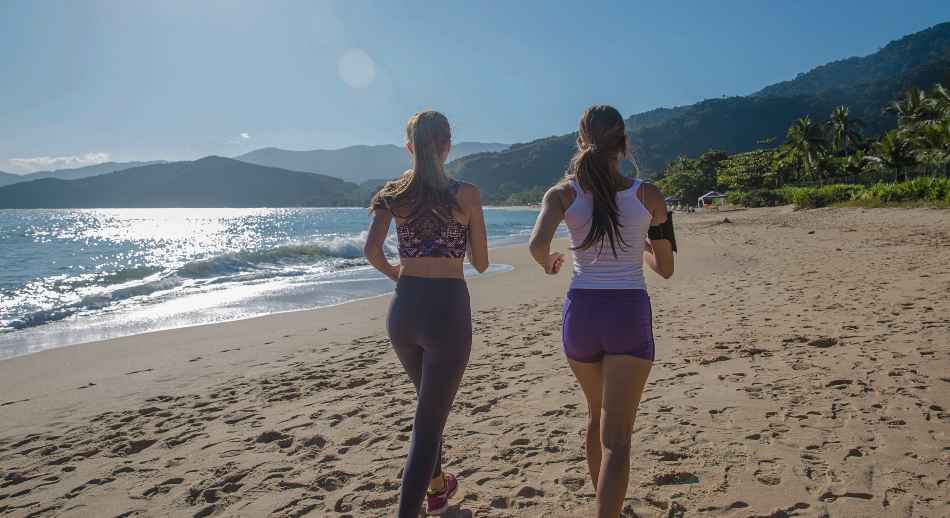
{"x":468,"y":217}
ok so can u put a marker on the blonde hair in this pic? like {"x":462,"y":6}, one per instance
{"x":425,"y":186}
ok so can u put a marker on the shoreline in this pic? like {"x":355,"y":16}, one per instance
{"x":179,"y":298}
{"x":505,"y":268}
{"x":137,"y":353}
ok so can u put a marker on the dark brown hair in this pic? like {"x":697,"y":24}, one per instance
{"x":425,"y":186}
{"x":601,"y":141}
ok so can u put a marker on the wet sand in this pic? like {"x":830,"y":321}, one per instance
{"x":803,"y":369}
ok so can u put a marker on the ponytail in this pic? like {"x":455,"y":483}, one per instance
{"x":425,"y":186}
{"x":601,"y":139}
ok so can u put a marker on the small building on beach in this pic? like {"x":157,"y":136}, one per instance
{"x":711,"y":200}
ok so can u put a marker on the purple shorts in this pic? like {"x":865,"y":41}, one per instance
{"x":599,"y":322}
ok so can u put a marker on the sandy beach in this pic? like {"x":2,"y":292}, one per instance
{"x":803,"y":369}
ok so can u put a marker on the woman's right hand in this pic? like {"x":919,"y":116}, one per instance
{"x":395,"y":272}
{"x":553,"y":263}
{"x":647,"y":246}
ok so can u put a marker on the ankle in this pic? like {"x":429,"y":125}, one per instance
{"x":437,"y":485}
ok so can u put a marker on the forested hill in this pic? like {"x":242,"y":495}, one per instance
{"x":209,"y":182}
{"x":739,"y":124}
{"x":733,"y":124}
{"x":896,"y":59}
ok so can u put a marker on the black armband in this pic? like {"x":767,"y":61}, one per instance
{"x":664,"y":231}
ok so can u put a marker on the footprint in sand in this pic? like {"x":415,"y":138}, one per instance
{"x":768,"y":472}
{"x":162,"y":488}
{"x":675,"y":478}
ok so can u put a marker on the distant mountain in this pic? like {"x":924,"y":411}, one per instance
{"x":87,"y":171}
{"x":8,"y":178}
{"x":734,"y":124}
{"x":520,"y":167}
{"x":73,"y":173}
{"x":209,"y":182}
{"x":461,"y":149}
{"x":354,"y":163}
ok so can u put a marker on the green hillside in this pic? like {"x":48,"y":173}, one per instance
{"x":734,"y":124}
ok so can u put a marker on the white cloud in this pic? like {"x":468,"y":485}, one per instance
{"x":41,"y":163}
{"x":245,"y":136}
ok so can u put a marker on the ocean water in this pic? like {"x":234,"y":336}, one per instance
{"x":73,"y":276}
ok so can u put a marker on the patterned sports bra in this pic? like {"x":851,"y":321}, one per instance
{"x":433,"y":234}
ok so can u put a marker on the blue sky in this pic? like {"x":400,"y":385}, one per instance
{"x":85,"y":81}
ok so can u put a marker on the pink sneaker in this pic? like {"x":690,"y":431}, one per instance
{"x":438,"y":503}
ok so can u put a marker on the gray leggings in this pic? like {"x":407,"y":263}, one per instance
{"x":430,"y":325}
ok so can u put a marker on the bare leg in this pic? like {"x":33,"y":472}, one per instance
{"x":590,"y":377}
{"x":624,"y":378}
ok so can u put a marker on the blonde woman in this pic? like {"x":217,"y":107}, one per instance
{"x":429,"y":323}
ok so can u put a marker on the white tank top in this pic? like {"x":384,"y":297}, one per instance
{"x":599,"y":269}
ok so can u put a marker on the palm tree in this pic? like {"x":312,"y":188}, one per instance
{"x":931,"y":145}
{"x":845,"y":132}
{"x":894,"y":151}
{"x":807,"y":142}
{"x":940,"y":100}
{"x":910,"y":110}
{"x":783,"y":162}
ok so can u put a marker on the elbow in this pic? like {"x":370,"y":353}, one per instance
{"x":372,"y":252}
{"x":666,"y":273}
{"x":479,"y":263}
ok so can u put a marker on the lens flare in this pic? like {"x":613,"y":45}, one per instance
{"x":357,"y":69}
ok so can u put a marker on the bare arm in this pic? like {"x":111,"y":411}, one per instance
{"x":552,"y":213}
{"x":658,"y":255}
{"x":373,"y":249}
{"x":477,"y":235}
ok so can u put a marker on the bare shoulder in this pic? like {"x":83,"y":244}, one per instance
{"x":653,"y":200}
{"x":652,"y":195}
{"x":469,"y":194}
{"x":651,"y":190}
{"x":560,"y":195}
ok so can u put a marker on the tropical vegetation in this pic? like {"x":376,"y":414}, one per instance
{"x":833,"y":161}
{"x":842,"y":100}
{"x":929,"y":191}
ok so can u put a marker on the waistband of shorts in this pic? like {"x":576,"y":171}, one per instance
{"x":607,"y":293}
